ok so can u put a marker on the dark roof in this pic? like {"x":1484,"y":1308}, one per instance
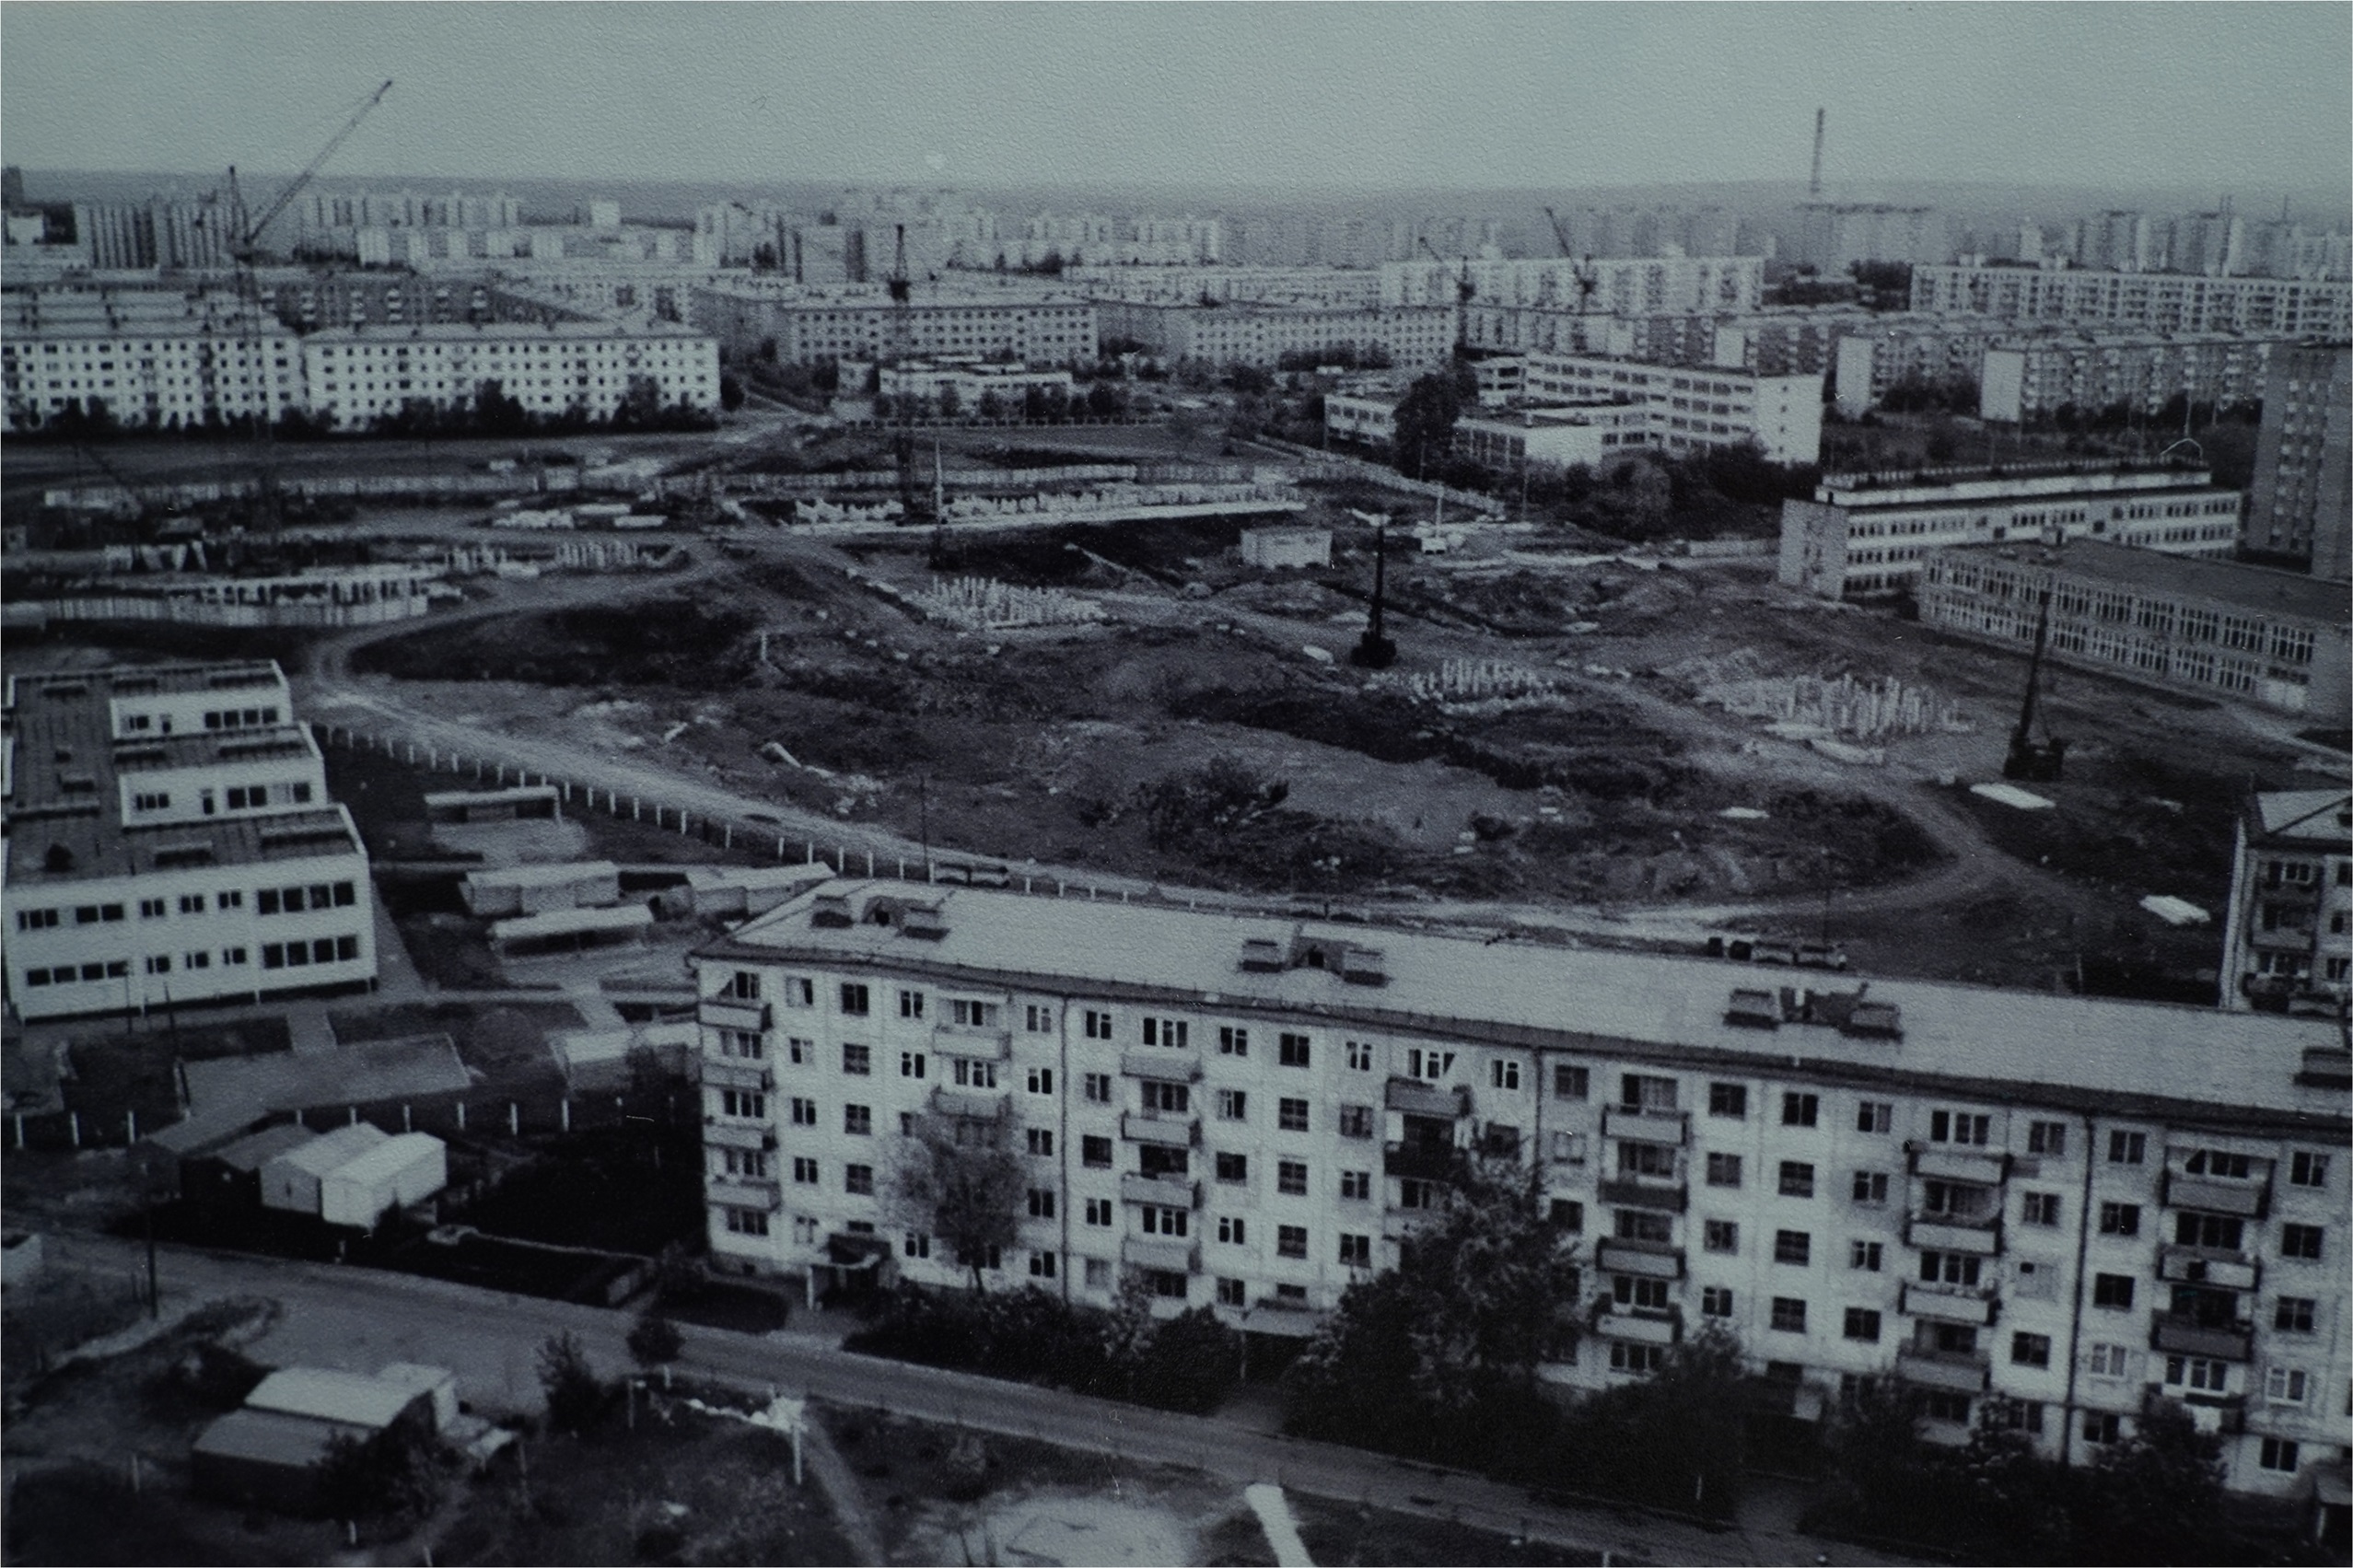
{"x":2226,"y":582}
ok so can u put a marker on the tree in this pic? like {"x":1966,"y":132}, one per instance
{"x":654,"y":1339}
{"x":388,"y":1472}
{"x":2156,"y":1497}
{"x":730,"y":393}
{"x":953,"y":1178}
{"x":1426,"y":419}
{"x":576,"y":1395}
{"x":951,"y":405}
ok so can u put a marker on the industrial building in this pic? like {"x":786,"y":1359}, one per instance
{"x":2245,"y":633}
{"x":1248,"y":1114}
{"x":1694,"y":406}
{"x":757,"y":317}
{"x":2300,"y":509}
{"x":2169,"y":302}
{"x":356,"y":376}
{"x":1865,"y":534}
{"x":1415,"y":337}
{"x":2287,"y":940}
{"x":170,"y":841}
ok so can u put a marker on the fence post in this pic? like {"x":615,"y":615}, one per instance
{"x":406,"y":1124}
{"x":353,"y":1121}
{"x":564,"y":1108}
{"x":20,"y":1129}
{"x":514,"y":1118}
{"x":869,"y":863}
{"x":462,"y":1116}
{"x":130,"y":1128}
{"x":74,"y":1127}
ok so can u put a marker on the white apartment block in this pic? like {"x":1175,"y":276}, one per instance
{"x":1693,"y":406}
{"x":1249,"y":1113}
{"x":2242,"y":633}
{"x":1362,"y":418}
{"x":1624,"y":285}
{"x":858,"y":321}
{"x":157,"y":370}
{"x":356,"y":375}
{"x":1261,"y":335}
{"x":2287,"y":939}
{"x":967,"y":381}
{"x":2164,"y":301}
{"x":2034,"y":376}
{"x":1328,"y":288}
{"x":1511,"y":440}
{"x":1867,"y":534}
{"x":2302,"y":501}
{"x":170,"y":841}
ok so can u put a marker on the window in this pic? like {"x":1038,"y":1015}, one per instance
{"x":858,"y":1060}
{"x":1428,"y":1065}
{"x":2040,"y":1208}
{"x":2047,"y":1138}
{"x":1096,"y":1026}
{"x":1290,"y":1115}
{"x":967,"y":1015}
{"x":1642,"y":1225}
{"x":858,"y":1120}
{"x":1098,"y":1088}
{"x":911,"y":1003}
{"x":1646,"y":1159}
{"x":1095,"y":1152}
{"x":747,"y":1222}
{"x":800,"y":1052}
{"x":1862,"y":1323}
{"x":1359,"y":1056}
{"x":2281,"y":1454}
{"x":1171,"y":1032}
{"x":1229,"y":1292}
{"x":2114,"y":1291}
{"x":2301,"y":1241}
{"x":2307,"y":1169}
{"x":1864,"y":1255}
{"x":916,"y":1245}
{"x":1356,"y":1252}
{"x":1041,"y":1203}
{"x":1796,"y":1180}
{"x":1795,"y":1247}
{"x":858,"y":1178}
{"x":1290,"y":1240}
{"x":1636,"y":1358}
{"x":2200,"y":1373}
{"x":1233,"y":1105}
{"x":1291,"y":1050}
{"x":2120,"y":1219}
{"x":1038,"y":1020}
{"x":193,"y":904}
{"x":1231,"y":1230}
{"x":2286,"y":1386}
{"x":1570,"y":1083}
{"x":1568,"y":1214}
{"x":1356,"y":1185}
{"x":742,"y":1102}
{"x":1870,"y":1186}
{"x":1171,"y":1099}
{"x":971,"y":1075}
{"x":1290,"y":1176}
{"x":1041,"y":1142}
{"x":1720,"y":1236}
{"x":1099,"y":1211}
{"x":1159,"y":1219}
{"x":1970,"y":1128}
{"x":1874,"y":1116}
{"x":1505,"y":1074}
{"x":160,"y":964}
{"x":1631,"y":1290}
{"x":855,"y":1000}
{"x":1799,"y":1110}
{"x":1041,"y":1080}
{"x":2102,"y":1427}
{"x":1356,"y":1121}
{"x":2030,"y":1350}
{"x":1728,"y":1101}
{"x":2294,"y":1314}
{"x":2128,"y":1148}
{"x":1041,"y":1265}
{"x":1788,"y":1315}
{"x":1715,"y":1301}
{"x":911,"y":1064}
{"x":804,"y":1112}
{"x":1637,"y":1092}
{"x":1723,"y":1170}
{"x":152,"y":909}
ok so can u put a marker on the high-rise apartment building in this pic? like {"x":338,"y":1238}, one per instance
{"x":1248,"y":1114}
{"x":2164,"y":301}
{"x":1839,"y":234}
{"x":2287,"y":939}
{"x":2300,"y":509}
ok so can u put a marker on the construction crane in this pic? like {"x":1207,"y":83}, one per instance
{"x":1375,"y":649}
{"x":1464,"y":292}
{"x":2035,"y":761}
{"x":1588,"y":280}
{"x":244,"y":247}
{"x":902,"y":290}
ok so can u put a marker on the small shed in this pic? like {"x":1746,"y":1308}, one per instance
{"x":520,"y":801}
{"x":569,"y":930}
{"x":231,"y":1176}
{"x":597,"y":1060}
{"x":291,"y":1180}
{"x":390,"y":1175}
{"x":258,"y":1457}
{"x":537,"y":890}
{"x":439,"y":1384}
{"x":352,"y":1399}
{"x":749,"y":889}
{"x":1269,"y":547}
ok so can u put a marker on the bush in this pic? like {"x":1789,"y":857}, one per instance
{"x":654,"y":1339}
{"x":577,"y":1397}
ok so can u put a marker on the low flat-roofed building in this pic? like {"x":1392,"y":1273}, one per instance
{"x":1271,"y":548}
{"x":1362,"y":419}
{"x":1556,"y":437}
{"x":537,"y":889}
{"x":363,"y":1073}
{"x":564,"y":930}
{"x":2287,"y":939}
{"x":231,"y":1176}
{"x":348,"y":1399}
{"x":405,"y":1169}
{"x":518,"y":801}
{"x":2247,"y":634}
{"x":1867,"y":534}
{"x":1695,"y":407}
{"x":266,"y":1458}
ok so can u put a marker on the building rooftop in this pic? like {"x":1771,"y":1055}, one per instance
{"x":1906,"y":486}
{"x":374,"y":1070}
{"x":272,"y":1437}
{"x":501,"y":331}
{"x":391,"y":1156}
{"x":2107,"y":1057}
{"x":319,"y":1393}
{"x":2226,"y":582}
{"x":69,"y":842}
{"x":328,"y":1150}
{"x":2322,"y":818}
{"x":255,"y":1150}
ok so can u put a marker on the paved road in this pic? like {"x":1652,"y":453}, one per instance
{"x":358,"y":1320}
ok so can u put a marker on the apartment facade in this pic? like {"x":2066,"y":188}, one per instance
{"x":1260,"y":334}
{"x":2034,"y":378}
{"x":170,"y":841}
{"x":1869,"y":533}
{"x":2243,"y":633}
{"x":2287,"y":939}
{"x":1249,"y":1114}
{"x":2299,"y":504}
{"x":1839,"y":234}
{"x":1693,"y":406}
{"x":357,"y":375}
{"x":860,"y":322}
{"x":1623,"y":286}
{"x":2168,"y":302}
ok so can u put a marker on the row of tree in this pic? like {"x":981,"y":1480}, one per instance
{"x":1037,"y":405}
{"x":492,"y":411}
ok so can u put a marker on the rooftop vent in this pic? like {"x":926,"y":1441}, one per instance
{"x":1364,"y":966}
{"x":831,"y":911}
{"x":289,"y":838}
{"x":923,"y":921}
{"x":1753,"y":1009}
{"x":1876,"y":1020}
{"x":1261,"y":956}
{"x":169,"y":855}
{"x":78,"y":783}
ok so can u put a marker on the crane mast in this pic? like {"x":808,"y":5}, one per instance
{"x":2038,"y":761}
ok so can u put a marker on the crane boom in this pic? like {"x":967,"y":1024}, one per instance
{"x":249,"y":237}
{"x":1560,"y":235}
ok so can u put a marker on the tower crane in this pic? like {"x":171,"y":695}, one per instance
{"x":1588,"y":280}
{"x":1464,"y":292}
{"x":2028,"y":758}
{"x":902,"y":290}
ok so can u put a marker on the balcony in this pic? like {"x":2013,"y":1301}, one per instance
{"x":1653,"y":1260}
{"x":1964,"y":1372}
{"x":1162,"y":1066}
{"x":1169,"y":1192}
{"x":1646,"y":1192}
{"x":972,"y":1105}
{"x":1396,"y":1224}
{"x":2179,"y":1334}
{"x":1978,"y":1234}
{"x":718,"y":1134}
{"x":1411,"y":1096}
{"x":727,"y":1013}
{"x":1943,"y":1163}
{"x":1169,"y":1130}
{"x":1174,"y":1255}
{"x":972,"y":1044}
{"x":721,"y":1074}
{"x":1645,"y":1124}
{"x":2220,"y":1414}
{"x":1426,"y":1162}
{"x":1977,"y":1306}
{"x":740,"y":1192}
{"x":2207,"y":1266}
{"x":2217,"y":1195}
{"x":1643,"y":1325}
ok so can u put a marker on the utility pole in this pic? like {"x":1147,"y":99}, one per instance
{"x":1813,"y":185}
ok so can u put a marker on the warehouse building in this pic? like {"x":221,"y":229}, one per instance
{"x":1248,"y":1113}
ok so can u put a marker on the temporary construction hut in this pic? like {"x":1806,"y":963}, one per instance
{"x":390,"y":1175}
{"x":290,"y":1181}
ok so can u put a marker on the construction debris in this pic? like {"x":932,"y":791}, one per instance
{"x":983,"y":604}
{"x":1868,"y":710}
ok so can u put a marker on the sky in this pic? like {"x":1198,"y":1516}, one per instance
{"x":1337,"y":95}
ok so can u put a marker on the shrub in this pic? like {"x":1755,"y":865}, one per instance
{"x":577,"y":1397}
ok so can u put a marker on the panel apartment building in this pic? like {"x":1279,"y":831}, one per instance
{"x":2171,"y":302}
{"x":2302,"y":503}
{"x":2211,"y":626}
{"x":164,"y":359}
{"x":1249,"y":1113}
{"x":170,"y":841}
{"x":2287,"y":939}
{"x":1692,"y":406}
{"x":356,"y":375}
{"x":1626,"y":286}
{"x":1866,"y":534}
{"x":1261,"y":334}
{"x":858,"y":321}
